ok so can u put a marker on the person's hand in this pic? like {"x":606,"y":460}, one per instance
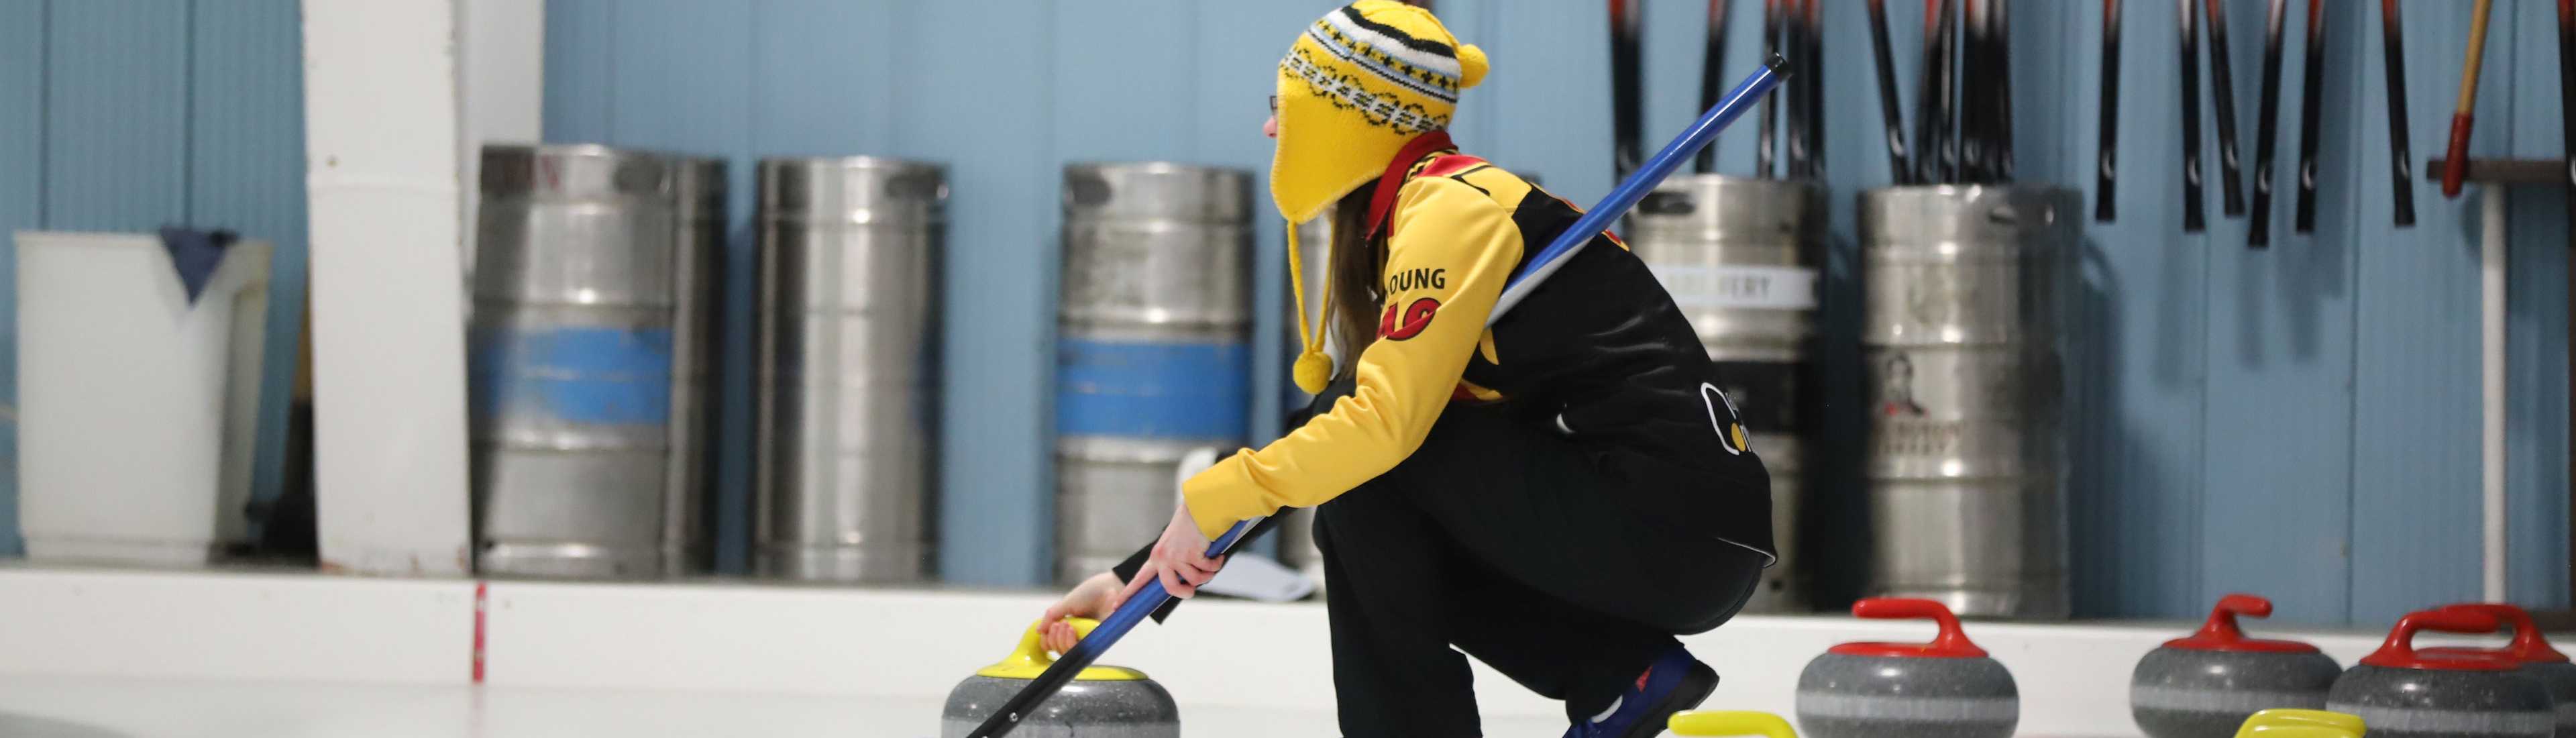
{"x":1094,"y":598}
{"x":1179,"y":560}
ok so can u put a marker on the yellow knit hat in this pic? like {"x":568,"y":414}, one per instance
{"x":1361,"y":82}
{"x":1356,"y":87}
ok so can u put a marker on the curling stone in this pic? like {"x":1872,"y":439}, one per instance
{"x":2207,"y":685}
{"x":2532,"y":651}
{"x":1101,"y":702}
{"x":2404,"y":693}
{"x":1723,"y":723}
{"x":1947,"y":688}
{"x":2283,"y":722}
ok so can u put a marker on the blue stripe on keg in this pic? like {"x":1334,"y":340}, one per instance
{"x":604,"y":376}
{"x":1153,"y":390}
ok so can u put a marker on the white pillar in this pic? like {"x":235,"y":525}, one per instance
{"x":2491,"y":369}
{"x":502,"y":93}
{"x":381,"y":143}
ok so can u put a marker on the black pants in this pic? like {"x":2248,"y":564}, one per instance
{"x":1508,"y":541}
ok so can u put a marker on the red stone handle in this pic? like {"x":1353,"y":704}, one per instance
{"x":2399,"y":650}
{"x":2243,"y":604}
{"x":2528,"y":644}
{"x":1950,"y":640}
{"x":2221,"y":627}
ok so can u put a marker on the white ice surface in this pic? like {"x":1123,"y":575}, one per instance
{"x":141,"y":653}
{"x":111,"y":707}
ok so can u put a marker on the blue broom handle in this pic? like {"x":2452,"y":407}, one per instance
{"x":1644,"y":180}
{"x":1594,"y":221}
{"x":1145,"y":602}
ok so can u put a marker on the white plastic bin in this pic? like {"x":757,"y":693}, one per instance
{"x":137,"y":408}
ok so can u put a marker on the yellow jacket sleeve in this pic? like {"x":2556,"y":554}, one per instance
{"x":1450,"y":248}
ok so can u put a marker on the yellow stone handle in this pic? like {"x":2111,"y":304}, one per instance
{"x":1731,"y":723}
{"x":2298,"y":731}
{"x":1031,"y":657}
{"x":2289,"y":723}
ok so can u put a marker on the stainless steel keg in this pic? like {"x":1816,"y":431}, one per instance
{"x":587,"y":306}
{"x":848,"y":381}
{"x":1960,"y":333}
{"x":1153,"y":358}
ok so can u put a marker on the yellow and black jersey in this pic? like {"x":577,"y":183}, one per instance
{"x":1598,"y":352}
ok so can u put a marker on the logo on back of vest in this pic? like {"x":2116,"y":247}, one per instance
{"x":1730,"y":429}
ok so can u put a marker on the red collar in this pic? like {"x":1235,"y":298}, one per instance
{"x":1387,"y":184}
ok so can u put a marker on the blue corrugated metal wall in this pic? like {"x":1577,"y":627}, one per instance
{"x":988,"y":88}
{"x":2300,"y":421}
{"x":126,"y":115}
{"x":2536,"y":430}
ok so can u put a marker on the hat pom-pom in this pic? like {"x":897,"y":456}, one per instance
{"x":1313,"y":371}
{"x":1471,"y":65}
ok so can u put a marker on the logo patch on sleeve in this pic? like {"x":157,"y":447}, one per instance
{"x":1407,"y":322}
{"x":1730,"y":427}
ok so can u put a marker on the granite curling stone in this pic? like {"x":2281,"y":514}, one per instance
{"x":1725,"y":723}
{"x":2530,"y":649}
{"x":1101,"y":702}
{"x":1947,"y":688}
{"x":2403,"y":693}
{"x":2287,"y":722}
{"x":2208,"y":684}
